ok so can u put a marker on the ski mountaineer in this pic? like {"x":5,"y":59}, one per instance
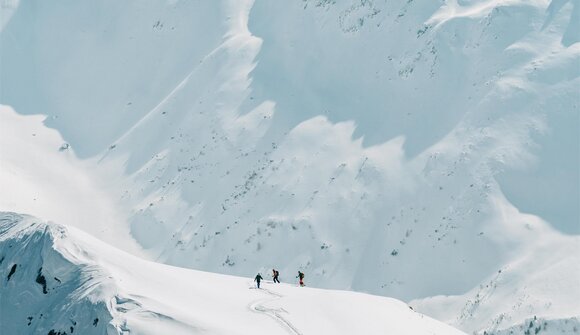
{"x":258,"y":279}
{"x":275,"y":275}
{"x":301,"y":277}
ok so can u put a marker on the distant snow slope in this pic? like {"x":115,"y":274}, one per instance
{"x":59,"y":279}
{"x":43,"y":175}
{"x":539,"y":287}
{"x":227,"y":136}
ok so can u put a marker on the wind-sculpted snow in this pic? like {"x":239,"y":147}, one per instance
{"x":359,"y":141}
{"x":67,"y":282}
{"x":44,"y":291}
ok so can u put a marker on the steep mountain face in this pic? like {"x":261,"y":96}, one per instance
{"x":46,"y":291}
{"x":232,"y":134}
{"x":58,"y":280}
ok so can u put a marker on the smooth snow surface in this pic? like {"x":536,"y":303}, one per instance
{"x":92,"y":288}
{"x":42,"y":174}
{"x":422,"y":150}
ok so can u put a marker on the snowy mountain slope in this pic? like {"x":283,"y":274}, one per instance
{"x":539,"y":287}
{"x":40,"y":174}
{"x":65,"y":281}
{"x":220,"y":138}
{"x":222,"y":172}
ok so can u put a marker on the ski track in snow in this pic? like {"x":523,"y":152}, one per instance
{"x":256,"y":306}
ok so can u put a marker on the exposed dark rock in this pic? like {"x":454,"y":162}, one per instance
{"x":12,"y":270}
{"x":41,"y":281}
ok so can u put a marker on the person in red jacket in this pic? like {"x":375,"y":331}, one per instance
{"x":275,"y":275}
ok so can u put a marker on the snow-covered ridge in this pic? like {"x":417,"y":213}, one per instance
{"x":49,"y":286}
{"x":227,"y":136}
{"x":58,"y":280}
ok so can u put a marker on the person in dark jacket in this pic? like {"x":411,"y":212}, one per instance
{"x":258,"y":279}
{"x":301,"y":277}
{"x":275,"y":275}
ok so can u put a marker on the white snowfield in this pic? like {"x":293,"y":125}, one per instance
{"x":422,"y":150}
{"x":66,"y":281}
